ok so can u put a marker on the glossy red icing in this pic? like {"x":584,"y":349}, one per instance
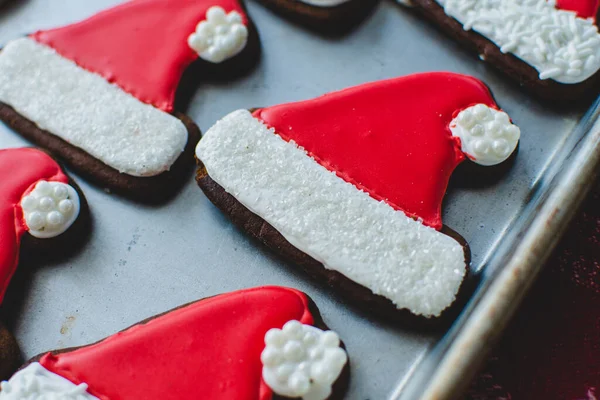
{"x":20,"y":170}
{"x":389,"y":138}
{"x":209,"y":349}
{"x":141,"y":45}
{"x":583,"y":8}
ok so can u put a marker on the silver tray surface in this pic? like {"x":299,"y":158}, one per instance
{"x":142,"y":260}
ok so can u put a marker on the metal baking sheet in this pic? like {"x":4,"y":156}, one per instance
{"x":142,"y":260}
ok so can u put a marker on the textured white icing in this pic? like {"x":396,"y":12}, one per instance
{"x":50,"y":209}
{"x":85,"y":110}
{"x":35,"y":382}
{"x":219,"y":37}
{"x":487,"y":136}
{"x":324,"y":3}
{"x":302,"y":361}
{"x":557,"y":43}
{"x":413,"y":265}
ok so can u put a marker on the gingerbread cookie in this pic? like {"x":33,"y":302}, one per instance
{"x":550,"y":47}
{"x":42,"y":212}
{"x":262,"y":343}
{"x":101,"y":93}
{"x":323,"y":15}
{"x":350,"y":185}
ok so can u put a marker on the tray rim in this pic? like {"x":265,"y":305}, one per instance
{"x":494,"y":309}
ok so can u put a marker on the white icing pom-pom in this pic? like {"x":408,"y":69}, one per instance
{"x":487,"y":136}
{"x":50,"y":209}
{"x":220,"y":37}
{"x":302,"y":361}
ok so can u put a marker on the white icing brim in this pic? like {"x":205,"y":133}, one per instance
{"x":87,"y":111}
{"x":35,"y":382}
{"x":415,"y":266}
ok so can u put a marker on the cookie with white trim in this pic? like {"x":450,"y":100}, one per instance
{"x":264,"y":343}
{"x":552,"y":48}
{"x":323,"y":15}
{"x":101,"y":93}
{"x":349,"y":185}
{"x":42,"y":213}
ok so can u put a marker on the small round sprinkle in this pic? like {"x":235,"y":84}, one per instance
{"x":29,"y":203}
{"x":299,"y":383}
{"x":271,"y":357}
{"x":330,"y":339}
{"x":495,"y":128}
{"x":284,"y":371}
{"x":46,"y":203}
{"x":310,"y":338}
{"x":54,"y":218}
{"x":221,"y":29}
{"x":338,"y":356}
{"x":500,"y":148}
{"x":60,"y":192}
{"x":65,"y":206}
{"x":216,"y":14}
{"x":502,"y":118}
{"x":35,"y":220}
{"x":477,"y":130}
{"x":292,"y":328}
{"x":43,"y":188}
{"x":293,"y":351}
{"x":512,"y":132}
{"x":275,"y":338}
{"x":318,"y":372}
{"x":481,"y":111}
{"x":315,"y":353}
{"x":481,"y":147}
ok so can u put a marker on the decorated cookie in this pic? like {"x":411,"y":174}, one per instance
{"x":41,"y":212}
{"x":323,"y":15}
{"x":263,"y":343}
{"x":551,"y":47}
{"x":101,"y":93}
{"x":350,"y":185}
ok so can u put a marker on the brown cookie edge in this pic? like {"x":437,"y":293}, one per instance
{"x":333,"y":19}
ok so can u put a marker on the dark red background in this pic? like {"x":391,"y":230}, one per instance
{"x":551,"y":351}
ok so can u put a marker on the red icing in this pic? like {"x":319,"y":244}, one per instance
{"x":389,"y":138}
{"x":583,"y":8}
{"x":20,"y":170}
{"x":141,"y":45}
{"x":209,"y":349}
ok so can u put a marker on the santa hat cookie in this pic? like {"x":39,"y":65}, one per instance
{"x":40,"y":208}
{"x":41,"y":211}
{"x":550,"y":46}
{"x":101,"y":93}
{"x":323,"y":15}
{"x":263,"y":343}
{"x":355,"y":180}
